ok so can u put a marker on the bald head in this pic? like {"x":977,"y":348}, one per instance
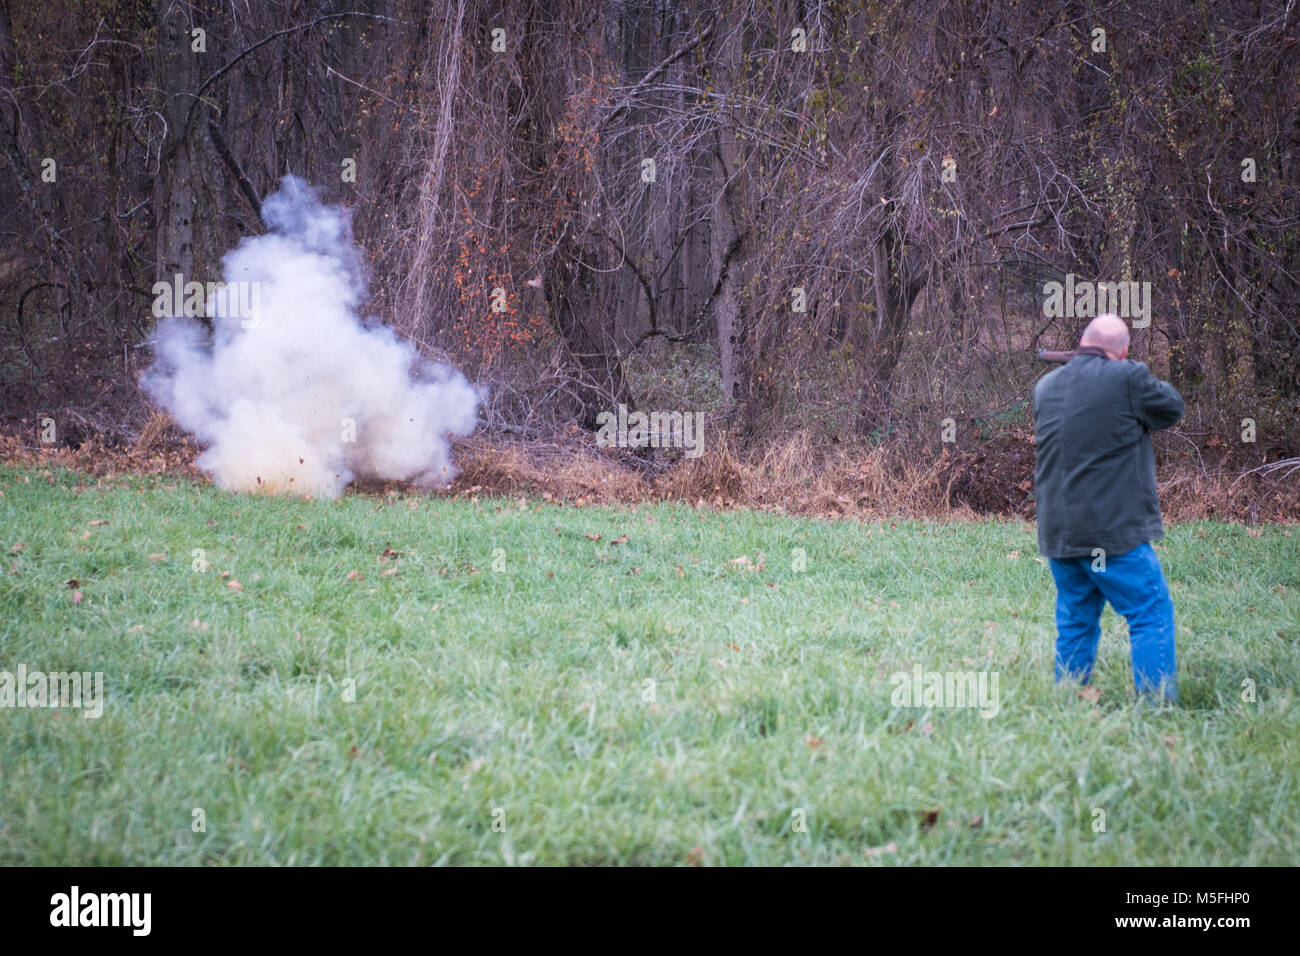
{"x":1109,"y":333}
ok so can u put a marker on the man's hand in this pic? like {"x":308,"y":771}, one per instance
{"x":1156,"y":404}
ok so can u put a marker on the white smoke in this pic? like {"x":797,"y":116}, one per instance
{"x":301,"y":396}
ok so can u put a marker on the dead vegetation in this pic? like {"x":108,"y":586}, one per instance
{"x":794,"y":475}
{"x":797,"y":476}
{"x":161,"y":448}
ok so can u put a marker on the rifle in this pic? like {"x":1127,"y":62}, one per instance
{"x":1047,"y":355}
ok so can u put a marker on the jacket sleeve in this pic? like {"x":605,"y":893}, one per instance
{"x":1157,"y":404}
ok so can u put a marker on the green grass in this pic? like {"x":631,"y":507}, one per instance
{"x":524,"y":689}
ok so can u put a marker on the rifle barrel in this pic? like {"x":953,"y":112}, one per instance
{"x":1046,"y":355}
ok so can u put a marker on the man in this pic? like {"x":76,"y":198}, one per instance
{"x":1095,"y":488}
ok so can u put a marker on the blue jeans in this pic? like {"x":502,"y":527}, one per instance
{"x":1134,"y":584}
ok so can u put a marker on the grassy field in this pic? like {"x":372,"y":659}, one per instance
{"x":479,"y":690}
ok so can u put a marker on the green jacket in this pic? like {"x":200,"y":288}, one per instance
{"x":1095,"y":481}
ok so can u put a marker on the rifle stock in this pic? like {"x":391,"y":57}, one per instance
{"x":1047,"y":355}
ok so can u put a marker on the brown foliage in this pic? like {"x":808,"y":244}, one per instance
{"x":794,"y":475}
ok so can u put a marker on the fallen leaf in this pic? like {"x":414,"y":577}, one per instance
{"x":97,"y":522}
{"x":388,"y":573}
{"x":929,"y":818}
{"x":695,"y":856}
{"x":74,"y":583}
{"x":890,"y":847}
{"x":18,"y":547}
{"x":77,"y":597}
{"x":1090,"y":693}
{"x":620,"y":540}
{"x":157,"y":557}
{"x":594,"y":537}
{"x":234,"y":585}
{"x":355,"y":575}
{"x":680,"y":572}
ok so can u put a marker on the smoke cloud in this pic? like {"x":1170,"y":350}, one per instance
{"x":291,"y":391}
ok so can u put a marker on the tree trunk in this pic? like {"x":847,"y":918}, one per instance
{"x":573,"y":294}
{"x":725,"y":244}
{"x":174,"y":188}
